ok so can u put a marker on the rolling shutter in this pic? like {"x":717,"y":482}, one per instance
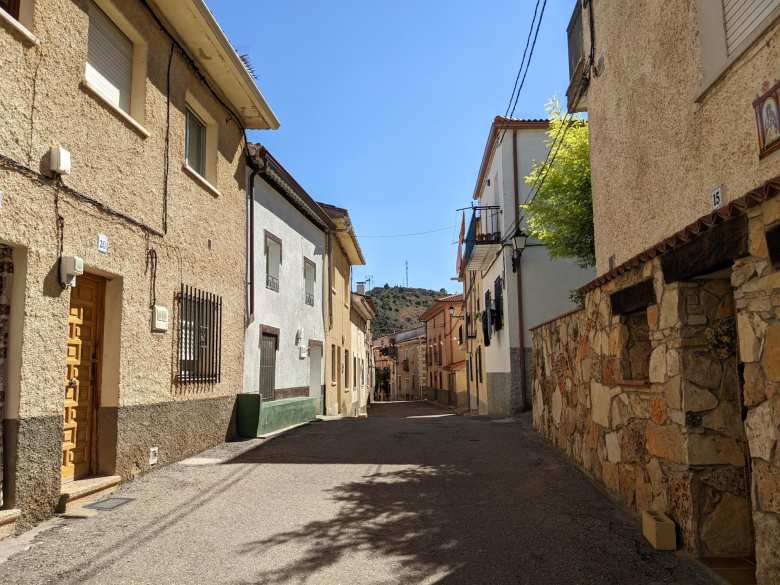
{"x":743,"y":17}
{"x":109,"y":59}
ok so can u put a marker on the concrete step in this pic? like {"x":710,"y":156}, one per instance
{"x":79,"y":492}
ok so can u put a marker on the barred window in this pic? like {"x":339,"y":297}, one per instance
{"x":199,"y":336}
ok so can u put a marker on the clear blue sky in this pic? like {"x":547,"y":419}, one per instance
{"x":385,"y":106}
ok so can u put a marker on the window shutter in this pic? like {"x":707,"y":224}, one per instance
{"x":498,"y":319}
{"x":109,"y":59}
{"x":743,"y":17}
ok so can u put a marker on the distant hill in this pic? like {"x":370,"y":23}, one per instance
{"x":399,"y":308}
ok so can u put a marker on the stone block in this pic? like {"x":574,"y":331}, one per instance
{"x":727,"y":530}
{"x":658,"y":410}
{"x":601,"y":402}
{"x":556,"y":407}
{"x":767,"y":530}
{"x":702,"y":369}
{"x":672,"y":391}
{"x":666,"y":442}
{"x":670,"y":308}
{"x":696,"y":399}
{"x":656,"y":474}
{"x":610,"y":476}
{"x":659,"y":530}
{"x":652,"y":317}
{"x":618,"y":338}
{"x":761,"y":432}
{"x":627,"y":484}
{"x":613,"y":447}
{"x":643,"y":493}
{"x":640,"y":405}
{"x":771,"y":357}
{"x":658,"y":365}
{"x":672,"y":362}
{"x":726,"y":419}
{"x":620,"y":411}
{"x":749,"y":343}
{"x":766,"y":486}
{"x":742,"y":273}
{"x":632,"y":442}
{"x":710,"y":449}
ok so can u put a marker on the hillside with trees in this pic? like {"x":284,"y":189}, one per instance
{"x":399,"y":308}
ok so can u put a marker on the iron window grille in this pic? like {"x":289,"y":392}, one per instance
{"x":272,"y":282}
{"x":310,"y":299}
{"x":199,"y":336}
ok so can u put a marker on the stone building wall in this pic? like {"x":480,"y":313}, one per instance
{"x":676,"y":434}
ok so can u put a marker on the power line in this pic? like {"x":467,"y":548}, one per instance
{"x":522,"y":61}
{"x":449,"y":227}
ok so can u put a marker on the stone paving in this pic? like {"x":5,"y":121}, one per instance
{"x":411,"y":495}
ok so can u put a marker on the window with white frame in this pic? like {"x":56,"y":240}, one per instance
{"x":309,"y":280}
{"x":195,"y":143}
{"x":10,"y":7}
{"x":273,"y":261}
{"x":109,"y":69}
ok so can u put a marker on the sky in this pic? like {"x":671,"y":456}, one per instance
{"x":385,"y":107}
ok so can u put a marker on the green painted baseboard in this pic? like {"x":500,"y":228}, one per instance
{"x":256,"y":417}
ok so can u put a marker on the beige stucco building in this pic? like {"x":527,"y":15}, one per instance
{"x":446,"y":351}
{"x":665,"y":386}
{"x":412,"y":370}
{"x":150,"y":104}
{"x":343,"y":253}
{"x":362,"y":313}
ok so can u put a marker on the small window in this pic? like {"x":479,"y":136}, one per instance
{"x":109,"y":60}
{"x":11,"y":7}
{"x":195,"y":143}
{"x":346,"y":368}
{"x":309,"y":279}
{"x":273,"y":261}
{"x":199,"y":336}
{"x":333,"y":363}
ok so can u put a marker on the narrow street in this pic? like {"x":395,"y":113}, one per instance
{"x":412,"y":494}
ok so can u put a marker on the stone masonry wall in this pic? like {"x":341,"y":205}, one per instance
{"x":678,"y":441}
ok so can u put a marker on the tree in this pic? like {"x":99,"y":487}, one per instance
{"x":561,"y":212}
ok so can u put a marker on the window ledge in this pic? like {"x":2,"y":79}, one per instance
{"x":201,"y":180}
{"x":118,"y":112}
{"x":18,"y":28}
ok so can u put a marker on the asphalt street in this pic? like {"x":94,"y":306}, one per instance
{"x":412,"y":494}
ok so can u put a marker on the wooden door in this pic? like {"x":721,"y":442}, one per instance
{"x":268,"y":346}
{"x":85,"y":326}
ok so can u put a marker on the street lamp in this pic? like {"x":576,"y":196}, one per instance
{"x":519,"y":241}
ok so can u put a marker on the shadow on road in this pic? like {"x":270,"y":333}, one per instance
{"x":458,"y":501}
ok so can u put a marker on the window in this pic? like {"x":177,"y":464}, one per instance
{"x":273,"y":261}
{"x":269,"y":345}
{"x":460,"y":335}
{"x":309,"y":278}
{"x":354,"y":372}
{"x":727,"y":29}
{"x":195,"y":143}
{"x":199,"y":336}
{"x":346,"y":368}
{"x":333,"y":368}
{"x":109,"y":69}
{"x":479,"y":365}
{"x":11,"y":7}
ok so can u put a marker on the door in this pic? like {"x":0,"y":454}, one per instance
{"x":82,"y":381}
{"x":267,"y":366}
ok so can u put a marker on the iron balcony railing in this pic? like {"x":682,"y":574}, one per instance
{"x":310,"y":299}
{"x":272,"y":282}
{"x":484,"y":228}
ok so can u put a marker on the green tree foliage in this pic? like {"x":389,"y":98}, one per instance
{"x":561,"y":213}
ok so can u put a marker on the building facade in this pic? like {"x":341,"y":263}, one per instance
{"x":122,"y":240}
{"x":343,"y":253}
{"x":446,"y":351}
{"x":362,"y":313}
{"x":386,"y":367}
{"x":664,"y":387}
{"x":412,"y":371}
{"x":510,"y":281}
{"x":285,"y":335}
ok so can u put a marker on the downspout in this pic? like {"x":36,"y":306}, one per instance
{"x":519,"y":273}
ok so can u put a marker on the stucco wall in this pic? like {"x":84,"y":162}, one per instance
{"x":337,"y":399}
{"x":656,"y":152}
{"x":45,"y":104}
{"x":285,"y":309}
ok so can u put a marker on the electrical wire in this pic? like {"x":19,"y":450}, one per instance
{"x":409,"y":235}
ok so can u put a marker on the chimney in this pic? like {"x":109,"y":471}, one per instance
{"x":361,"y":288}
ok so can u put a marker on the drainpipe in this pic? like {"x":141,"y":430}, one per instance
{"x":519,"y":272}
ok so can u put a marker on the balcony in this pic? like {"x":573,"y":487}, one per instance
{"x":578,"y":62}
{"x":483,"y":240}
{"x":310,"y":299}
{"x":272,"y":282}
